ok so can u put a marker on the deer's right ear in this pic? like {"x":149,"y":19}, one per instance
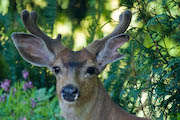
{"x":33,"y":49}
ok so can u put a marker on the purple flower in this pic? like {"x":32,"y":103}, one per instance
{"x":2,"y":98}
{"x":30,"y":85}
{"x":33,"y":103}
{"x":5,"y":85}
{"x":25,"y":74}
{"x":27,"y":85}
{"x":14,"y":91}
{"x":23,"y":118}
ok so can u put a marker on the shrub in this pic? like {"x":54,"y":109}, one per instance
{"x":147,"y":81}
{"x":4,"y":72}
{"x":22,"y":101}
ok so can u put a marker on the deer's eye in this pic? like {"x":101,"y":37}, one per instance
{"x":56,"y":69}
{"x":91,"y":70}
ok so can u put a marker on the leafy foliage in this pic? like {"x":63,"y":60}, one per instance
{"x":145,"y":82}
{"x":4,"y":68}
{"x":149,"y":82}
{"x":20,"y":103}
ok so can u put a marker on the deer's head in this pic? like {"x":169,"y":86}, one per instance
{"x":76,"y":72}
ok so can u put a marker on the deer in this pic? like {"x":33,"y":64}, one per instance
{"x":80,"y":92}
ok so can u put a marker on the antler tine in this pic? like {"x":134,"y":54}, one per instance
{"x":124,"y":19}
{"x":30,"y":22}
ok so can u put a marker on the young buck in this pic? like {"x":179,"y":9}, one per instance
{"x":81,"y":94}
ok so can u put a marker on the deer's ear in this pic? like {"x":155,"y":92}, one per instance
{"x":33,"y":49}
{"x":109,"y":53}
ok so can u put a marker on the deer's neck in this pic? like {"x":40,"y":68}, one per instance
{"x":100,"y":107}
{"x":103,"y":105}
{"x":93,"y":110}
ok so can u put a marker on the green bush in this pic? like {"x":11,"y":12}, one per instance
{"x":4,"y":72}
{"x":147,"y":81}
{"x":23,"y":102}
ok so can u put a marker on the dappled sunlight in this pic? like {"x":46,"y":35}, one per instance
{"x":112,"y":4}
{"x":63,"y":4}
{"x":173,"y":47}
{"x":146,"y":82}
{"x":115,"y":14}
{"x":4,"y":4}
{"x":80,"y":35}
{"x":79,"y":40}
{"x":40,"y":3}
{"x":174,"y":51}
{"x":144,"y":96}
{"x":63,"y":28}
{"x":3,"y":39}
{"x":107,"y":29}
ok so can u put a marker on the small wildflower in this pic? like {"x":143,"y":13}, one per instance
{"x":25,"y":74}
{"x":33,"y":103}
{"x":2,"y":98}
{"x":23,"y":118}
{"x":27,"y":85}
{"x":14,"y":91}
{"x":5,"y":85}
{"x":30,"y":85}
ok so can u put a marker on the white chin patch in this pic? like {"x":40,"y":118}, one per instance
{"x":76,"y":97}
{"x":70,"y":102}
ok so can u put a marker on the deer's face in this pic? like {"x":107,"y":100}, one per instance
{"x":76,"y":72}
{"x":76,"y":75}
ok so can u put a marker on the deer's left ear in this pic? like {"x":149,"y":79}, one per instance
{"x":109,"y":53}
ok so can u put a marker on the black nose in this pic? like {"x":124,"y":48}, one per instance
{"x":70,"y":93}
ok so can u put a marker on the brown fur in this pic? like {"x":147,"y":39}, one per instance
{"x":93,"y":102}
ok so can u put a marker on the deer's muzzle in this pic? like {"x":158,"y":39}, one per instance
{"x":69,"y":93}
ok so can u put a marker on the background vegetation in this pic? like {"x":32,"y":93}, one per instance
{"x":146,"y":82}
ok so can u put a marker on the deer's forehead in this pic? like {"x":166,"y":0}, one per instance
{"x":75,"y":58}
